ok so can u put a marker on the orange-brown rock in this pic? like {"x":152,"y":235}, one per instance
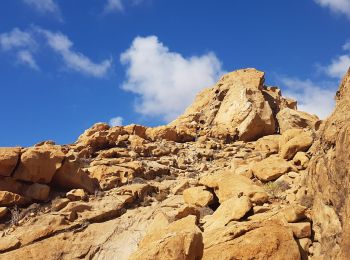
{"x":198,"y":196}
{"x":10,"y":199}
{"x":39,"y":164}
{"x":228,"y":184}
{"x":263,"y":241}
{"x":328,"y":180}
{"x":8,"y":159}
{"x":237,"y":107}
{"x":289,"y":118}
{"x":71,"y":176}
{"x":293,"y":141}
{"x":271,"y":168}
{"x":180,"y":240}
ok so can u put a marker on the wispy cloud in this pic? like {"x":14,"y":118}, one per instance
{"x":25,"y":57}
{"x":45,"y":6}
{"x":113,"y":6}
{"x":22,"y":44}
{"x":16,"y":39}
{"x":336,"y":6}
{"x":72,"y":59}
{"x":116,"y":121}
{"x":166,"y":82}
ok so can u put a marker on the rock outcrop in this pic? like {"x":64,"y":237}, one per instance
{"x":328,"y":181}
{"x":238,"y":107}
{"x":234,"y":177}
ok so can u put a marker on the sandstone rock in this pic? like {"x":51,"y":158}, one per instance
{"x":37,"y":191}
{"x":288,"y":119}
{"x":180,"y":187}
{"x":198,"y":196}
{"x":3,"y":211}
{"x":232,"y":209}
{"x":294,"y":213}
{"x":185,"y":211}
{"x":301,"y":229}
{"x":226,"y":185}
{"x":10,"y":199}
{"x":9,"y":243}
{"x":268,"y":144}
{"x":111,"y":176}
{"x":271,"y":168}
{"x":180,"y":240}
{"x":235,"y":107}
{"x":76,"y":194}
{"x":39,"y":164}
{"x":301,"y":160}
{"x":71,"y":176}
{"x":294,"y":141}
{"x":269,"y":241}
{"x":8,"y":160}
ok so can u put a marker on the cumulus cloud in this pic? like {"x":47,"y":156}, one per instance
{"x":166,"y":82}
{"x":113,"y":5}
{"x":22,"y":45}
{"x":116,"y":121}
{"x":337,"y":6}
{"x":312,"y":98}
{"x":73,"y":60}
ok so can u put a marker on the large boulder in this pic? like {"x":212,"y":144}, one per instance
{"x":250,"y":241}
{"x":227,"y":184}
{"x":198,"y":196}
{"x":39,"y":164}
{"x":180,"y":240}
{"x":293,"y":141}
{"x":230,"y":210}
{"x":8,"y":159}
{"x":71,"y":176}
{"x":271,"y":168}
{"x":239,"y":106}
{"x":10,"y":199}
{"x":289,"y":118}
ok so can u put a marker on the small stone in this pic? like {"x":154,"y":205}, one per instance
{"x":301,"y":229}
{"x":76,"y":194}
{"x":294,"y":213}
{"x":198,"y":196}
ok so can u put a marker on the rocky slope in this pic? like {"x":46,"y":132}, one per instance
{"x":234,"y":177}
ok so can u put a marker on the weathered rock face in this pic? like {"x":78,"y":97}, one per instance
{"x":198,"y":188}
{"x":239,"y":106}
{"x":329,"y":179}
{"x":8,"y":160}
{"x":39,"y":164}
{"x":289,"y":118}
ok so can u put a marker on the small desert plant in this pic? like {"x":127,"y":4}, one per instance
{"x":272,"y":188}
{"x":15,"y":216}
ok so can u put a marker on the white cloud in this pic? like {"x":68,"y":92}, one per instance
{"x":337,"y":6}
{"x":25,"y":57}
{"x":338,"y":67}
{"x":114,"y":5}
{"x":166,"y":82}
{"x":44,"y":6}
{"x":311,"y":97}
{"x":116,"y":121}
{"x":16,"y":39}
{"x":21,"y":44}
{"x":75,"y":60}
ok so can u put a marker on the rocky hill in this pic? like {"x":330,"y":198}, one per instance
{"x":242,"y":174}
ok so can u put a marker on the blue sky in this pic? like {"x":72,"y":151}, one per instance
{"x":65,"y":65}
